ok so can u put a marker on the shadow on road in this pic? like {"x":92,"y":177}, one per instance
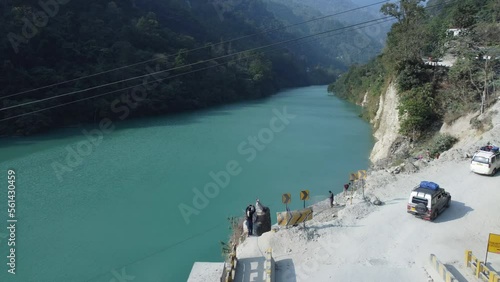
{"x":395,"y":201}
{"x":490,"y":266}
{"x":456,"y":273}
{"x":455,"y":211}
{"x":285,"y":271}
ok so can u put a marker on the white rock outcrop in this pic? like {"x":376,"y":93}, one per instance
{"x":386,"y":123}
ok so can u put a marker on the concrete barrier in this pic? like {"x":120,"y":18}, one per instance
{"x":269,"y":266}
{"x":479,"y":269}
{"x":289,"y":218}
{"x":442,"y":270}
{"x":204,"y":271}
{"x":228,"y":273}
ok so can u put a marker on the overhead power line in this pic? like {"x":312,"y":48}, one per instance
{"x":193,"y":50}
{"x":178,"y":75}
{"x":192,"y":64}
{"x":359,"y":25}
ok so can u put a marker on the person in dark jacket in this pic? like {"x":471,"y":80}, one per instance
{"x":331,"y":198}
{"x":249,"y":216}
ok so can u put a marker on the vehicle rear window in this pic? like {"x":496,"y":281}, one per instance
{"x":417,"y":201}
{"x":480,"y":159}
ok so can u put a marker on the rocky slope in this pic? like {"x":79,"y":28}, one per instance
{"x":386,"y":123}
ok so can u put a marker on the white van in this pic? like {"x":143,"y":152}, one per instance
{"x":485,"y":162}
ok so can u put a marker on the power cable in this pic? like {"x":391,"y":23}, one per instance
{"x":381,"y":20}
{"x":159,"y":80}
{"x":192,"y":50}
{"x":191,"y":64}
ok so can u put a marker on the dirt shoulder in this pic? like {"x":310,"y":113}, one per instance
{"x":364,"y":242}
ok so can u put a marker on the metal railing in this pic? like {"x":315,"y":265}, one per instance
{"x":442,"y":270}
{"x":480,"y":269}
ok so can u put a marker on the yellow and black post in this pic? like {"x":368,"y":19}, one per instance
{"x":304,"y":195}
{"x":286,"y":199}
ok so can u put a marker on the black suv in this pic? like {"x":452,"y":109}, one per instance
{"x":428,"y":203}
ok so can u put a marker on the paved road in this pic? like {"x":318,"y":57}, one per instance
{"x":250,"y":266}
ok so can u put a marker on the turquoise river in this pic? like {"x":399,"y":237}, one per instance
{"x":146,"y":198}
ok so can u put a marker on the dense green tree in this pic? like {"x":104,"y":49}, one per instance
{"x":428,"y":93}
{"x":81,"y":38}
{"x":464,"y":14}
{"x":416,"y":110}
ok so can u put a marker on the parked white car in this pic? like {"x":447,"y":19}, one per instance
{"x":485,"y":162}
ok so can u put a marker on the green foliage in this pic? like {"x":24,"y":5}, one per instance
{"x":413,"y":74}
{"x":88,"y":37}
{"x":365,"y":84}
{"x":464,"y":14}
{"x":406,"y":11}
{"x":361,"y":80}
{"x":441,"y":143}
{"x":416,"y":110}
{"x":430,"y":94}
{"x":260,"y":69}
{"x":345,"y":48}
{"x":148,"y":24}
{"x":407,"y":37}
{"x":436,"y":35}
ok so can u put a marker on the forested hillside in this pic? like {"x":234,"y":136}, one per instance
{"x":431,"y":92}
{"x":370,"y":12}
{"x":52,"y":42}
{"x":350,"y":47}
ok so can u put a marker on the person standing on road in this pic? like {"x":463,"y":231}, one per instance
{"x":331,"y":199}
{"x":249,"y":216}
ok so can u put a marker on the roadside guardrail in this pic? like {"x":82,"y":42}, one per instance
{"x":442,"y":270}
{"x":479,"y":269}
{"x":269,"y":266}
{"x":290,"y":218}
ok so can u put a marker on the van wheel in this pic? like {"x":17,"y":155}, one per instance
{"x":494,"y":172}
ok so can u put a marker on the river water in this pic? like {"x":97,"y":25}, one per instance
{"x":143,"y":199}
